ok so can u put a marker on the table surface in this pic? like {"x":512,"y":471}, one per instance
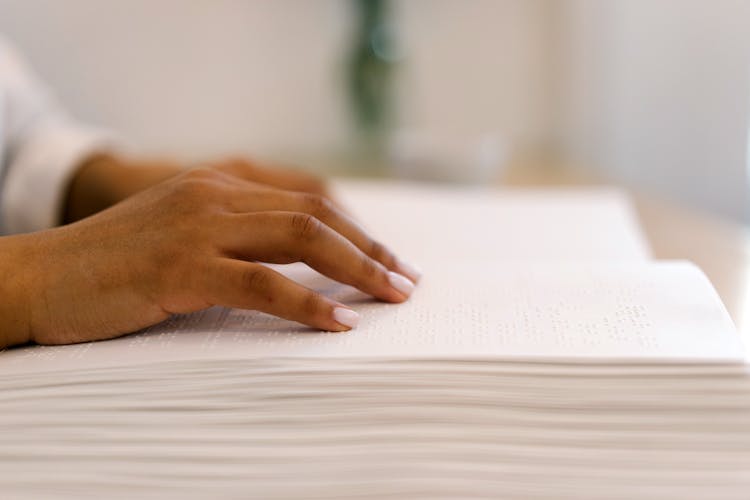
{"x":719,"y":246}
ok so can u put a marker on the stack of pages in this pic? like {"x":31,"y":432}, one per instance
{"x":543,"y":355}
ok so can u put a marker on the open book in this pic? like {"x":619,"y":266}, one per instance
{"x":544,"y":355}
{"x":633,"y":312}
{"x":525,"y":275}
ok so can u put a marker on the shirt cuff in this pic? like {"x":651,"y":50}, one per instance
{"x":41,"y":171}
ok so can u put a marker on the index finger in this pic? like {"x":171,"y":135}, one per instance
{"x":248,"y":285}
{"x":285,"y":237}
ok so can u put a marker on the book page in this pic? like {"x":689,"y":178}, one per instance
{"x":632,"y":312}
{"x":424,"y":222}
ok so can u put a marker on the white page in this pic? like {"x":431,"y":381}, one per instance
{"x":634,"y":312}
{"x":424,"y":222}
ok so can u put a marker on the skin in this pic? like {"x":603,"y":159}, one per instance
{"x":174,"y":242}
{"x":103,"y":180}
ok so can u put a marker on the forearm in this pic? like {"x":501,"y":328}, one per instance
{"x":104,"y":179}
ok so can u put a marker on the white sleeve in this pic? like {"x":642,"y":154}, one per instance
{"x":43,"y":147}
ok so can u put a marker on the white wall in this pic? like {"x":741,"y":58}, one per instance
{"x":192,"y":77}
{"x":478,"y":65}
{"x":657,"y":93}
{"x":196,"y":77}
{"x":654,"y":92}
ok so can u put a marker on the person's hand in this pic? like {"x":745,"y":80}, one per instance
{"x":189,"y":243}
{"x":275,"y":176}
{"x":104,"y":179}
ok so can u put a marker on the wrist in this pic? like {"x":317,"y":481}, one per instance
{"x":20,"y":273}
{"x":103,"y":180}
{"x":92,"y":188}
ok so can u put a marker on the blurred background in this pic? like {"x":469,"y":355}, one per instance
{"x":653,"y":94}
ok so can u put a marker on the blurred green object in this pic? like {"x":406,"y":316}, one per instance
{"x":370,"y":72}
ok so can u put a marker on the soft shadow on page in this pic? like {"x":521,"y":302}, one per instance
{"x":629,"y":312}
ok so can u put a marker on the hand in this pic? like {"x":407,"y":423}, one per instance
{"x":189,"y":243}
{"x":103,"y":180}
{"x":278,"y":177}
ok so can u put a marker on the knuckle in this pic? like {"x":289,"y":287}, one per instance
{"x":257,"y":279}
{"x":304,"y":226}
{"x":237,"y":166}
{"x":200,"y":174}
{"x":380,"y":252}
{"x":244,"y":164}
{"x":316,"y":185}
{"x":312,"y":304}
{"x":194,"y":183}
{"x":318,"y":205}
{"x":369,"y":268}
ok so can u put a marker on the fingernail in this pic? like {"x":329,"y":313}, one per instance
{"x":410,"y":270}
{"x":345,"y":317}
{"x":400,"y":283}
